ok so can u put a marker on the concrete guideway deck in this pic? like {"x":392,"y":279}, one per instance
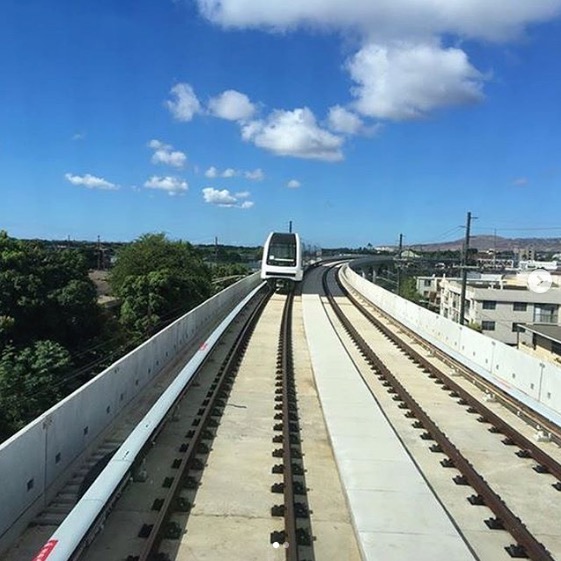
{"x":331,"y":521}
{"x":395,"y":513}
{"x":231,"y":517}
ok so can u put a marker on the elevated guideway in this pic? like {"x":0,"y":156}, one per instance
{"x":53,"y":448}
{"x":53,"y":453}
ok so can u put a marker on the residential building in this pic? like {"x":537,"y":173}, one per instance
{"x":429,"y":287}
{"x":497,"y":307}
{"x":530,"y":265}
{"x":541,"y":340}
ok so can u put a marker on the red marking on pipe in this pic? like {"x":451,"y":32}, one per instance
{"x":203,"y":346}
{"x":46,"y":550}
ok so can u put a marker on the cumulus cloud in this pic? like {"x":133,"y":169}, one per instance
{"x":255,"y":175}
{"x":165,"y":154}
{"x":386,"y":19}
{"x":294,"y":133}
{"x":293,"y":184}
{"x":213,"y":172}
{"x":232,"y":106}
{"x":401,"y":71}
{"x":406,"y":81}
{"x":172,"y":185}
{"x":229,"y":172}
{"x":225,"y":198}
{"x":90,"y":181}
{"x":184,"y":103}
{"x":344,"y":121}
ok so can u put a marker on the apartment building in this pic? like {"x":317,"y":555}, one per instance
{"x":429,"y":287}
{"x":498,"y":307}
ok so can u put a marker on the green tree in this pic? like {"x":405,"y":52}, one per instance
{"x":158,"y":280}
{"x":45,"y":294}
{"x":408,"y":289}
{"x":31,"y":381}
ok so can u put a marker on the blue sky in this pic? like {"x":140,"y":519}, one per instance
{"x":355,"y":120}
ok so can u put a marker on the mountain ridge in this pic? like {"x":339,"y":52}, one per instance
{"x":484,"y":242}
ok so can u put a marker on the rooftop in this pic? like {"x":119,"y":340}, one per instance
{"x":552,"y":332}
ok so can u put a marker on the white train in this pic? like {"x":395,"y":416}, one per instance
{"x":282,"y":263}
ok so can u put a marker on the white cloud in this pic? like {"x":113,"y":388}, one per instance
{"x":520,"y":181}
{"x":293,"y":184}
{"x":388,"y":19}
{"x":403,"y":69}
{"x":172,"y":185}
{"x":218,"y":197}
{"x":232,"y":106}
{"x":255,"y":175}
{"x":406,"y":81}
{"x":79,"y":136}
{"x":165,"y":154}
{"x":90,"y":181}
{"x":344,"y":121}
{"x":225,"y":198}
{"x":213,"y":172}
{"x":294,"y":133}
{"x":184,"y":104}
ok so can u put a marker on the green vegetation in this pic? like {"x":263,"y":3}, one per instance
{"x":158,"y":280}
{"x":50,"y":324}
{"x":408,"y":289}
{"x":475,"y":326}
{"x":54,"y":336}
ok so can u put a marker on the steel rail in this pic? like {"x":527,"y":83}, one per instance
{"x":505,"y":517}
{"x":290,"y":525}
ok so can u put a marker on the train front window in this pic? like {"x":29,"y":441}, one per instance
{"x":282,"y":253}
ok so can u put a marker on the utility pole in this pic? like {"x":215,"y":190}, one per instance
{"x":290,"y":226}
{"x":99,"y":264}
{"x":216,"y":250}
{"x":399,"y":263}
{"x":494,"y":249}
{"x":464,"y":269}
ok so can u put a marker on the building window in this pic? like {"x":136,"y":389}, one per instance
{"x":556,"y":348}
{"x":488,"y":325}
{"x":515,"y":327}
{"x":489,"y":304}
{"x":545,"y":313}
{"x":519,"y":306}
{"x":427,"y":282}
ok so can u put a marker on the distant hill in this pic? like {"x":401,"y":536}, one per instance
{"x":483,"y":243}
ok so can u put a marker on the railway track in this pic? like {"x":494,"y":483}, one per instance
{"x":154,"y":520}
{"x":296,"y":536}
{"x":525,"y":543}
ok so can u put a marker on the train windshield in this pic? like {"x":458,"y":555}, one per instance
{"x":282,"y":250}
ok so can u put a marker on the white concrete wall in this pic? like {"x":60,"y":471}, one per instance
{"x":532,"y":381}
{"x":65,"y":431}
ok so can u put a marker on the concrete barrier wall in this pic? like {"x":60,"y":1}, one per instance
{"x":33,"y":460}
{"x":530,"y":380}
